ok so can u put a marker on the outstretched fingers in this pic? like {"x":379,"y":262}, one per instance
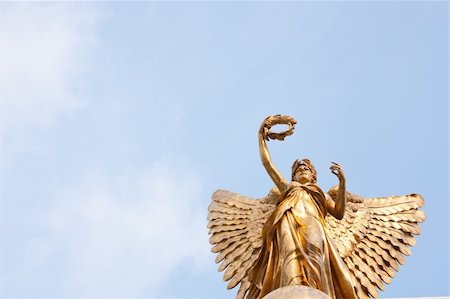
{"x":336,"y":169}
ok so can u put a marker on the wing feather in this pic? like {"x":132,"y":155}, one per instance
{"x":242,"y":271}
{"x":364,"y":281}
{"x":231,"y":257}
{"x":408,"y":216}
{"x":220,"y":236}
{"x":389,"y":259}
{"x":218,"y":215}
{"x":395,"y":204}
{"x":387,"y":247}
{"x":356,"y":283}
{"x":374,"y":236}
{"x":243,"y":289}
{"x":367,"y":270}
{"x":398,"y":234}
{"x":223,"y":208}
{"x":369,"y":260}
{"x":225,"y":243}
{"x":378,"y":259}
{"x":235,"y":223}
{"x":406,"y":226}
{"x":230,"y":250}
{"x":219,"y":222}
{"x":244,"y":255}
{"x":227,"y":228}
{"x":239,"y":270}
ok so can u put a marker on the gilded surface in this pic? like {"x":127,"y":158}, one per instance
{"x":292,"y":292}
{"x":339,"y":243}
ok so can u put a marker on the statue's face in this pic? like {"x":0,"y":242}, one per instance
{"x":304,"y":175}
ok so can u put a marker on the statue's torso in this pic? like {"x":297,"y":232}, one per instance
{"x":305,"y":203}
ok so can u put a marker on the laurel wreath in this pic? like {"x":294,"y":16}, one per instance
{"x":278,"y":119}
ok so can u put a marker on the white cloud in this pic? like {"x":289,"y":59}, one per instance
{"x":43,"y":53}
{"x":115,"y":234}
{"x":125,"y":235}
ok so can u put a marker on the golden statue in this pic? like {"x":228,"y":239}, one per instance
{"x":335,"y":242}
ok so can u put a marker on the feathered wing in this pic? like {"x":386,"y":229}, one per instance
{"x":374,"y":236}
{"x":235,"y":223}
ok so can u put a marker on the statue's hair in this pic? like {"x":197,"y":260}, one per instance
{"x":308,"y":164}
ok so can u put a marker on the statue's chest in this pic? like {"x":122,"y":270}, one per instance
{"x":303,"y":204}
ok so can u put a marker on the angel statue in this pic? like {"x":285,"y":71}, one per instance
{"x":337,"y":242}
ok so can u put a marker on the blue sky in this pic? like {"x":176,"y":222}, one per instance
{"x":119,"y":120}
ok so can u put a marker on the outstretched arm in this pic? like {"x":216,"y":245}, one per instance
{"x":337,"y":208}
{"x":274,"y":174}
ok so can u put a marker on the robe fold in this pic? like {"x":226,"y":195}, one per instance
{"x":296,"y":249}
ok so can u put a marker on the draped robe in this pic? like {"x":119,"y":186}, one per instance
{"x":296,"y":249}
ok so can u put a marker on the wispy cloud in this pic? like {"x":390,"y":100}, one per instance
{"x":114,"y":234}
{"x":44,"y":49}
{"x":124,"y":235}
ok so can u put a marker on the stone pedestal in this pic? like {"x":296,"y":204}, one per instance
{"x":296,"y":292}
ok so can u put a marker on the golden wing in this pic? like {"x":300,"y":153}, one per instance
{"x":235,"y":223}
{"x":374,"y":236}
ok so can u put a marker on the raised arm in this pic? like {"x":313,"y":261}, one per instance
{"x":337,"y":208}
{"x":263,"y":135}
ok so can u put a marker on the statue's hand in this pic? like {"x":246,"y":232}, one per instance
{"x":336,"y":169}
{"x":265,"y":127}
{"x":273,"y":120}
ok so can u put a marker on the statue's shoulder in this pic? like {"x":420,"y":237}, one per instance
{"x":294,"y":185}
